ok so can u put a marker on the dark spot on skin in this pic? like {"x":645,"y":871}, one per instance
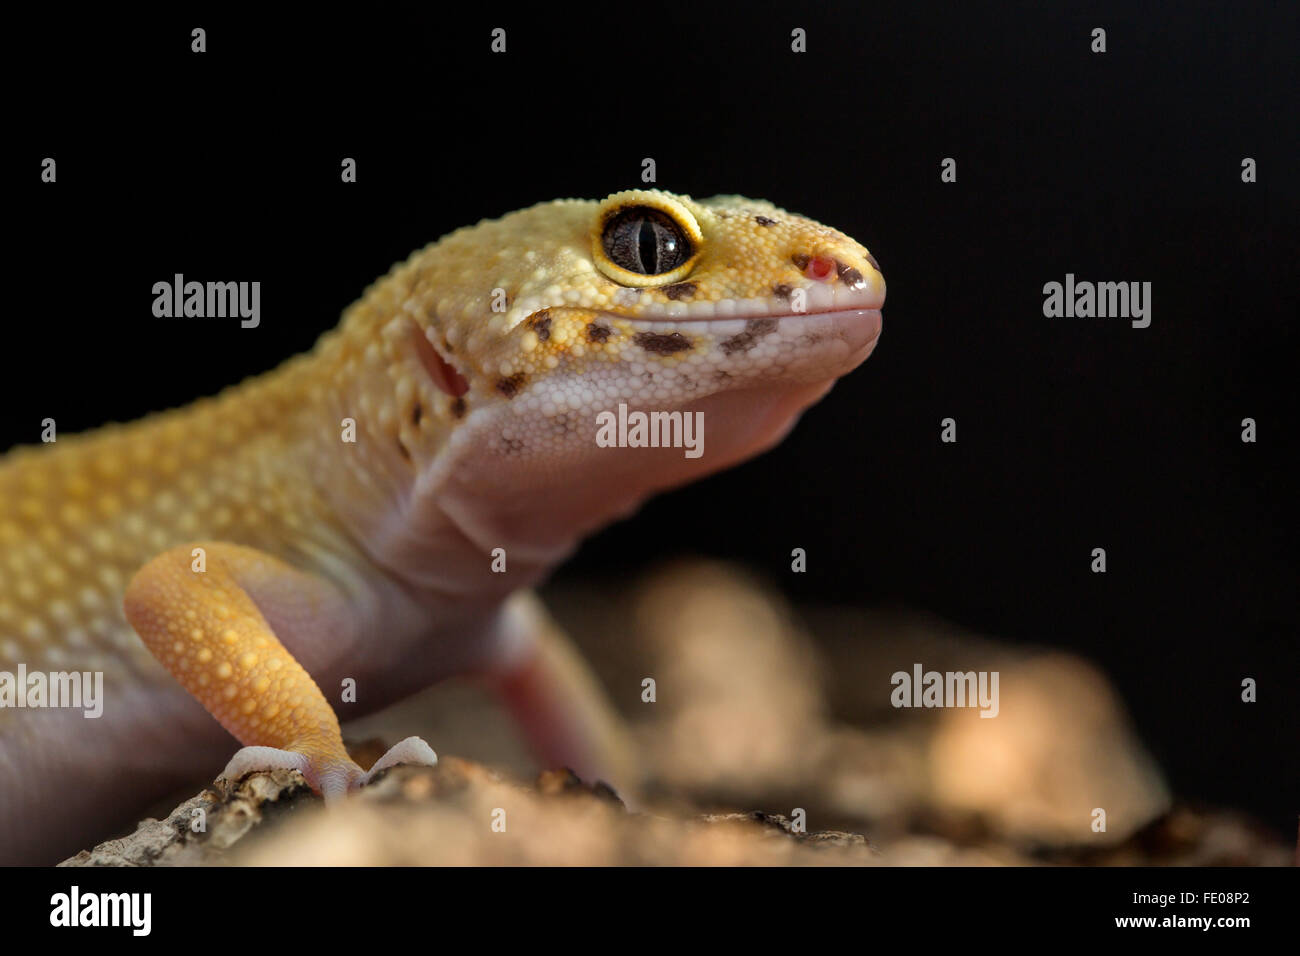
{"x":680,"y":290}
{"x":540,"y":322}
{"x":458,"y":408}
{"x":416,"y":414}
{"x":662,"y":343}
{"x":746,"y":340}
{"x":598,"y":333}
{"x":801,"y":260}
{"x":848,"y":275}
{"x":402,"y":448}
{"x":781,"y":290}
{"x":764,"y":221}
{"x":512,"y":445}
{"x":509,"y":387}
{"x":874,"y":264}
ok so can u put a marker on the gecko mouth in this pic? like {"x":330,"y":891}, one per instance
{"x":830,"y":338}
{"x":831,"y":313}
{"x":812,"y":299}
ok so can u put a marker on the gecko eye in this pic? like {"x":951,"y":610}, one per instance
{"x":645,"y":241}
{"x":642,"y":238}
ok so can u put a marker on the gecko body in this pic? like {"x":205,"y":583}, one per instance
{"x":377,"y":509}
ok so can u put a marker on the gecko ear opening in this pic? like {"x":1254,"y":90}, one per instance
{"x":448,"y":380}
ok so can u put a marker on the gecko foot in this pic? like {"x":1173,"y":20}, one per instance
{"x":412,"y":750}
{"x":331,"y":777}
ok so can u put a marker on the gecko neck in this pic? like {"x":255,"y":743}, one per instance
{"x":370,"y":435}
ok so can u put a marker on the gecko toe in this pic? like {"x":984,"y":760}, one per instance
{"x":332,"y":779}
{"x":412,"y":751}
{"x":253,"y":759}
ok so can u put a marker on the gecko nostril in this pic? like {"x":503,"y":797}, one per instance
{"x":820,"y":268}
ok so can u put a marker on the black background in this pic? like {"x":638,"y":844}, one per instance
{"x":1073,"y":433}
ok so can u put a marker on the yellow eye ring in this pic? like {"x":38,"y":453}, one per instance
{"x":643,"y":238}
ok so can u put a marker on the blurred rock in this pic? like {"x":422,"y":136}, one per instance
{"x":739,"y":704}
{"x":1059,"y":749}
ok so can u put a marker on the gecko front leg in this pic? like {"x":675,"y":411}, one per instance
{"x":202,"y":610}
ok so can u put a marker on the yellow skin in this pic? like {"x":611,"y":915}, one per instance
{"x":339,"y":516}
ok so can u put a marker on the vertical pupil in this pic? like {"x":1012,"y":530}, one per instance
{"x":648,"y":247}
{"x":645,"y":241}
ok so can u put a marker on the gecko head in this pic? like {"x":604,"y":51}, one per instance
{"x":570,"y":347}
